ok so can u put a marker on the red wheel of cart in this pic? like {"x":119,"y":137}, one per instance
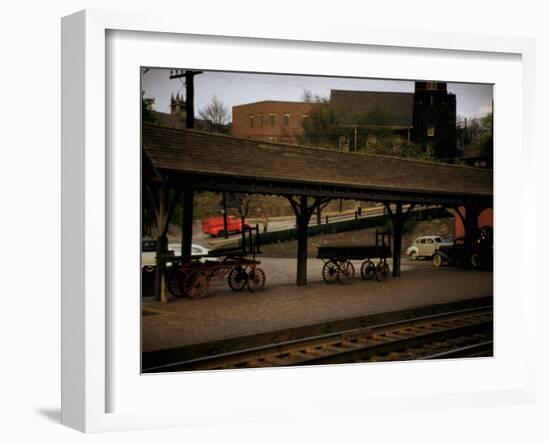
{"x":256,"y":279}
{"x":347,"y":272}
{"x":382,"y":271}
{"x":196,"y":284}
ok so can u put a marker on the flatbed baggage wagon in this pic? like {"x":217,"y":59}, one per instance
{"x":338,"y":265}
{"x":192,"y":278}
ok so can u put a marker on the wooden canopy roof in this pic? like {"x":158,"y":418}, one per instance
{"x":217,"y":162}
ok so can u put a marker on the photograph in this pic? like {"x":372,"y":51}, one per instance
{"x":295,"y":220}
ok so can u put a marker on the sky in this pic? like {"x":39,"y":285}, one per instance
{"x":234,"y":88}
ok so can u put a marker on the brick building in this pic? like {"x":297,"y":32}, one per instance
{"x":425,"y":117}
{"x":276,"y":121}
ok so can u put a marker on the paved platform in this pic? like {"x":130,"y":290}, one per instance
{"x":225,"y":314}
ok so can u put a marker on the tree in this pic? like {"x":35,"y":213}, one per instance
{"x":478,"y":132}
{"x":486,"y":137}
{"x":321,"y":128}
{"x":374,"y":117}
{"x":243,"y":203}
{"x":147,"y":115}
{"x":308,"y":97}
{"x":217,"y":114}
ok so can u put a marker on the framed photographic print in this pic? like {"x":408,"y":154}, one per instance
{"x":279,"y":226}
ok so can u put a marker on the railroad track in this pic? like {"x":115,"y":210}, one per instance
{"x":464,"y":333}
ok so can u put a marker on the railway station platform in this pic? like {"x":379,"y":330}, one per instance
{"x":226,"y":316}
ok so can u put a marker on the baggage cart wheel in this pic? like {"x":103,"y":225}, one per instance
{"x":368,"y":269}
{"x":256,"y":279}
{"x":237,"y":279}
{"x":347,"y":273}
{"x":174,"y":281}
{"x":196,"y":284}
{"x":382,"y":271}
{"x":330,"y":272}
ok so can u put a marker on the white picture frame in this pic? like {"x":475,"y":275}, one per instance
{"x":90,"y":170}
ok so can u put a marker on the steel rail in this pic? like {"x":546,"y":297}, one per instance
{"x":355,"y":344}
{"x":474,"y":350}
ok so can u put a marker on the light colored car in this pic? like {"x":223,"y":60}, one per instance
{"x":426,"y":246}
{"x":148,"y":253}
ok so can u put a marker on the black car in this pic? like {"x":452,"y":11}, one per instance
{"x":479,"y":256}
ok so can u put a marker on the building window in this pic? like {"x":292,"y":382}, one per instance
{"x":261,"y":121}
{"x":286,"y":120}
{"x":251,"y":120}
{"x":431,"y":131}
{"x":272,"y":119}
{"x":431,"y":85}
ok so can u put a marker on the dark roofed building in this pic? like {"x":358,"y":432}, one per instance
{"x":395,"y":107}
{"x":477,"y":156}
{"x":173,"y":121}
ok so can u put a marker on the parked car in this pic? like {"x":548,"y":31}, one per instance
{"x":149,"y":253}
{"x":214,"y":225}
{"x":454,"y":254}
{"x":426,"y":246}
{"x":479,"y":256}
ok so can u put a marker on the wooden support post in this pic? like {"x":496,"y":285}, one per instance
{"x":162,"y":246}
{"x":161,"y":242}
{"x":470,"y":229}
{"x":397,"y":237}
{"x":243,"y":235}
{"x":303,"y":215}
{"x":187,"y":225}
{"x":224,"y":211}
{"x":302,"y":221}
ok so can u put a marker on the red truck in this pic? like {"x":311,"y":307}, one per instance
{"x":214,"y":225}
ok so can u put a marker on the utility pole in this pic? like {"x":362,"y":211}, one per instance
{"x":189,"y":76}
{"x":188,"y":194}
